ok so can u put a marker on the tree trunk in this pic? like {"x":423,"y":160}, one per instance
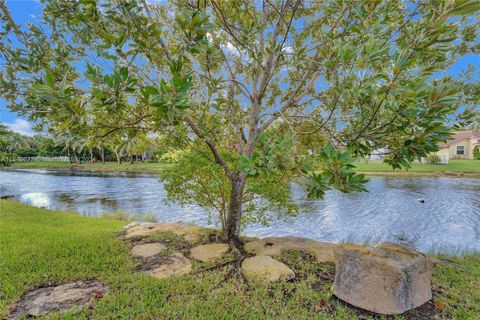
{"x":131,"y":159}
{"x":102,"y":154}
{"x":119,"y":159}
{"x":231,"y":232}
{"x":75,"y":155}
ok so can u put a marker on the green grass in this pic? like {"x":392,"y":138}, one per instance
{"x":39,"y":246}
{"x":151,"y":167}
{"x":453,"y":167}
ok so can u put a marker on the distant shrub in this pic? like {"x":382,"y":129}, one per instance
{"x":433,"y":159}
{"x":476,"y":153}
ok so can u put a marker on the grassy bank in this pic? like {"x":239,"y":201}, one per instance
{"x":454,"y":167}
{"x":39,"y":246}
{"x":148,"y":167}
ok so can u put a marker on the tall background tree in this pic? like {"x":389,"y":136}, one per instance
{"x":242,"y":85}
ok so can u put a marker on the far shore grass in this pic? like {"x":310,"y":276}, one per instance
{"x":43,"y":247}
{"x":147,"y":167}
{"x":453,"y":168}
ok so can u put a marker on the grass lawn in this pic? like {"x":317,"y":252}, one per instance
{"x":152,"y":167}
{"x":453,"y":166}
{"x":39,"y":246}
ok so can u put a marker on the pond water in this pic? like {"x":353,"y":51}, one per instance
{"x":448,"y":219}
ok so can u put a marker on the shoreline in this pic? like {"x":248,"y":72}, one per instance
{"x":135,"y":168}
{"x":160,"y":167}
{"x":451,"y":174}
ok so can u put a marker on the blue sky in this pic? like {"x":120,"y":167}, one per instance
{"x":25,"y":11}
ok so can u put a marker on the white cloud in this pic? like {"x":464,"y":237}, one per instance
{"x":21,"y":126}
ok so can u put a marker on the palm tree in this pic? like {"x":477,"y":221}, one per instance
{"x":71,"y":143}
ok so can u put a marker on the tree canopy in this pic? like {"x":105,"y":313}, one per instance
{"x":255,"y":93}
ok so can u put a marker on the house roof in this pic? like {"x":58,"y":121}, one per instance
{"x":461,"y":135}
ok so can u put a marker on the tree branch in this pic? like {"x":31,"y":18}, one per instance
{"x":218,"y":157}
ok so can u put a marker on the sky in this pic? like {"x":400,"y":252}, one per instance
{"x":24,"y":11}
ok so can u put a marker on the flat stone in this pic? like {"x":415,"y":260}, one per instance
{"x":209,"y":252}
{"x":265,"y":268}
{"x":192,"y":234}
{"x":174,"y":265}
{"x":273,"y":246}
{"x":386,"y":279}
{"x":149,"y":229}
{"x":61,"y":298}
{"x":147,"y":250}
{"x":131,"y":225}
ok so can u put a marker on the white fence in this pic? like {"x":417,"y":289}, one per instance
{"x":46,"y":159}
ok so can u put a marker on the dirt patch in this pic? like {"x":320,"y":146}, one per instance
{"x":59,"y":298}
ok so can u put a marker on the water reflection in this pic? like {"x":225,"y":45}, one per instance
{"x":390,"y":211}
{"x":37,"y":199}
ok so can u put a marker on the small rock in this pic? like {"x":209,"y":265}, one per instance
{"x":273,"y":246}
{"x":386,"y":279}
{"x":79,"y":294}
{"x":147,"y":250}
{"x":174,"y":265}
{"x":421,"y":200}
{"x":131,"y":225}
{"x":209,"y":252}
{"x":266,"y":269}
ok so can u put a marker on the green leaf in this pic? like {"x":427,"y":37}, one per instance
{"x":463,"y":7}
{"x":49,"y":79}
{"x":149,"y":90}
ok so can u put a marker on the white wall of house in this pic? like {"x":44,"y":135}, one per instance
{"x":462,"y":149}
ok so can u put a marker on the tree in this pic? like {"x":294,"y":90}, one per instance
{"x":476,"y":153}
{"x":237,"y":83}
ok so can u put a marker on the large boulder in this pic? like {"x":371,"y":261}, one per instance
{"x":147,"y":250}
{"x":273,"y":246}
{"x":266,"y":269}
{"x":209,"y":252}
{"x":386,"y":279}
{"x":173,"y":265}
{"x":68,"y":296}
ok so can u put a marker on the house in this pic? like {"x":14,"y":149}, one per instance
{"x":460,"y":145}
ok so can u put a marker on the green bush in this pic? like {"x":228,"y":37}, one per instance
{"x":476,"y":153}
{"x":433,"y":159}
